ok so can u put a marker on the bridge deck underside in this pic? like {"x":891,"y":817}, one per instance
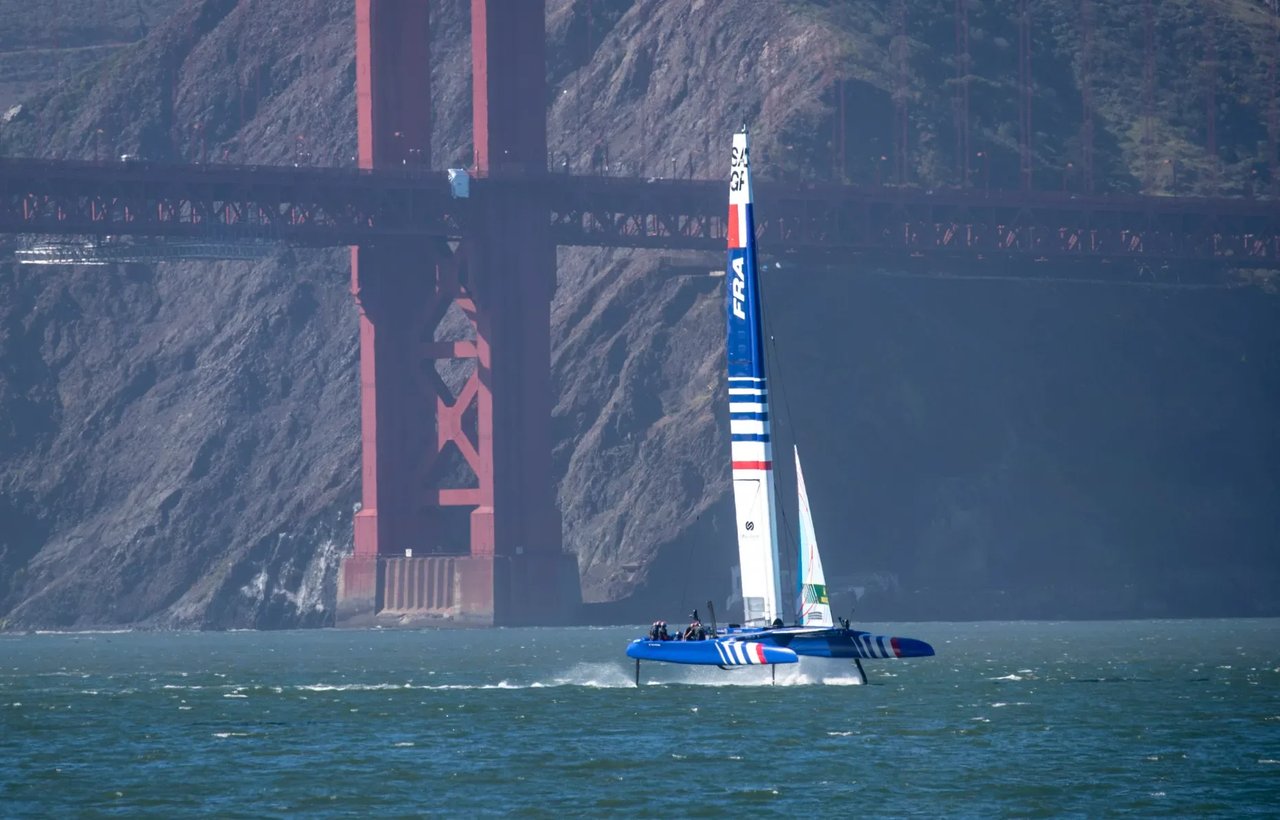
{"x":808,"y":223}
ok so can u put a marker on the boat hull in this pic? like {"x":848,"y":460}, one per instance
{"x":843,"y":643}
{"x":711,"y":652}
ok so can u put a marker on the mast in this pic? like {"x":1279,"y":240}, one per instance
{"x":751,"y":448}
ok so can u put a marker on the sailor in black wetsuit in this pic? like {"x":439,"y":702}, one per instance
{"x":658,"y":632}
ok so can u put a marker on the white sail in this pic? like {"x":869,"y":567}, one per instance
{"x":814,"y":607}
{"x":757,"y":541}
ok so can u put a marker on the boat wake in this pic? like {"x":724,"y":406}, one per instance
{"x":805,"y":673}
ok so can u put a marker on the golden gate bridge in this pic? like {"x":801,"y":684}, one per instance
{"x":487,"y":547}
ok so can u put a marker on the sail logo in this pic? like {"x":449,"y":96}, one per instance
{"x":815,"y":594}
{"x":739,"y":287}
{"x":738,"y":162}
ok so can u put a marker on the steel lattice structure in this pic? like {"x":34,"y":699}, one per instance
{"x":305,"y":206}
{"x":319,"y":206}
{"x":828,"y":223}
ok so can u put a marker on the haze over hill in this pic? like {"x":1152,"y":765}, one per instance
{"x":178,"y":443}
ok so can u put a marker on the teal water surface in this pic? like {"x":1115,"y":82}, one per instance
{"x":1143,"y":718}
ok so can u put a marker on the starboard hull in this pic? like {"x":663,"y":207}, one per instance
{"x":711,"y":652}
{"x":843,"y":643}
{"x":851,"y":643}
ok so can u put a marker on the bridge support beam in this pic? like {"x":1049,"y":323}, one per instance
{"x":458,"y":522}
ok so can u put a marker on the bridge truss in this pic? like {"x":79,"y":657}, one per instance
{"x":809,"y":223}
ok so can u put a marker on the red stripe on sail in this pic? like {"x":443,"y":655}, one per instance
{"x":760,"y":652}
{"x":897,"y":652}
{"x":753,"y":465}
{"x":735,"y":241}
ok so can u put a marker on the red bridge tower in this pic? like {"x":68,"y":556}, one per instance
{"x":458,"y":521}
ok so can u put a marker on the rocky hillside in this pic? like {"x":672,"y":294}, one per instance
{"x":178,"y":444}
{"x":42,"y":44}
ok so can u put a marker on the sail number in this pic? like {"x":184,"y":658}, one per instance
{"x":738,"y":161}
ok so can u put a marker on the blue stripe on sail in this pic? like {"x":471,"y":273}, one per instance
{"x":749,"y":437}
{"x":749,"y":416}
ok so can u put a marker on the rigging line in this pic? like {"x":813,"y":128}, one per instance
{"x":684,"y":590}
{"x":775,"y":373}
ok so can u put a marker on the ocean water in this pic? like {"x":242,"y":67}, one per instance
{"x":1145,"y":718}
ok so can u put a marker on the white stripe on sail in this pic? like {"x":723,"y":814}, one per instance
{"x":747,"y":427}
{"x":751,"y":451}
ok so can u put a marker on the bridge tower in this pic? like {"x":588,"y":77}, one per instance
{"x":458,"y":522}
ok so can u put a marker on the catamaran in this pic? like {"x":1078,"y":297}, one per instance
{"x":763,"y":638}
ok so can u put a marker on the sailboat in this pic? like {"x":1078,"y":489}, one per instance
{"x":763,"y":638}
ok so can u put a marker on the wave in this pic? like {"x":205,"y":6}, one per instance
{"x":600,"y":675}
{"x":83,"y":631}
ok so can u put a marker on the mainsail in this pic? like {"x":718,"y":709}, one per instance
{"x":751,"y":450}
{"x":815,"y":608}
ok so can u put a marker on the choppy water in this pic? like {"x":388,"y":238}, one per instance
{"x":1028,"y":719}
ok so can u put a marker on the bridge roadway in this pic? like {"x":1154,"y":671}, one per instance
{"x":802,"y":221}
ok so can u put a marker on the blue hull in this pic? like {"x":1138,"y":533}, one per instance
{"x":840,"y":643}
{"x":711,"y":652}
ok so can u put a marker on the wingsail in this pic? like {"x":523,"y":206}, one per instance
{"x":751,"y":448}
